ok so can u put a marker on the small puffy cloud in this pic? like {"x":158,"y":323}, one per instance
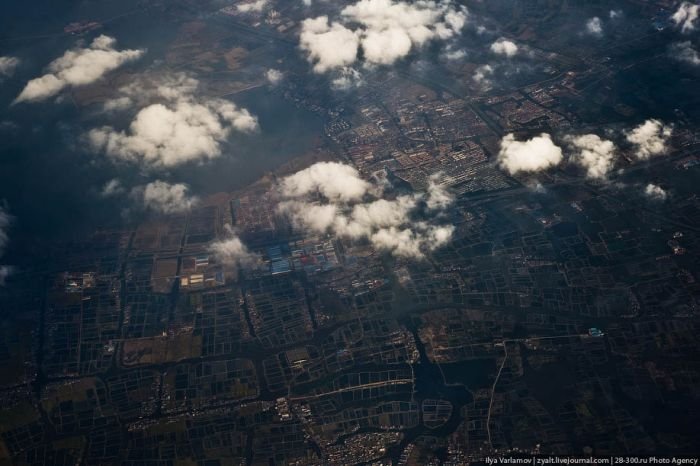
{"x":614,"y":14}
{"x":410,"y":243}
{"x":5,"y":271}
{"x":453,"y":54}
{"x":386,"y":46}
{"x":5,"y":221}
{"x":684,"y":51}
{"x":255,"y":6}
{"x":273,"y":76}
{"x":328,"y":46}
{"x":112,"y":188}
{"x":171,"y":88}
{"x":504,"y":47}
{"x":420,"y":21}
{"x":655,"y":192}
{"x":438,"y":197}
{"x":366,"y":218}
{"x":151,"y":88}
{"x":163,"y":197}
{"x":335,"y":181}
{"x":232,"y":251}
{"x":482,"y":76}
{"x":594,"y":154}
{"x":536,"y":154}
{"x":357,"y":211}
{"x":686,"y":16}
{"x":147,"y":89}
{"x":383,"y":30}
{"x":117,"y":104}
{"x":8,"y":66}
{"x":594,"y":26}
{"x":347,"y":78}
{"x":162,"y":135}
{"x":41,"y":88}
{"x":536,"y":186}
{"x":180,"y":129}
{"x":357,"y":221}
{"x":78,"y":67}
{"x":649,"y":138}
{"x":314,"y":216}
{"x":7,"y":126}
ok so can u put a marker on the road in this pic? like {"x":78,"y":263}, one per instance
{"x":356,"y":387}
{"x":503,"y":363}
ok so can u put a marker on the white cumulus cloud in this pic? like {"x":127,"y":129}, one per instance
{"x":535,"y":154}
{"x":347,"y":78}
{"x":255,"y":6}
{"x":383,"y":30}
{"x":408,"y":242}
{"x":5,"y":271}
{"x":355,"y":209}
{"x":112,"y":188}
{"x":78,"y":67}
{"x":686,"y":16}
{"x":438,"y":197}
{"x":8,"y":66}
{"x":649,"y":138}
{"x":594,"y":26}
{"x":594,"y":154}
{"x":684,"y":51}
{"x":655,"y":192}
{"x":5,"y":221}
{"x":504,"y":47}
{"x":163,"y":197}
{"x":335,"y":181}
{"x":328,"y":46}
{"x":274,"y":76}
{"x":177,"y":130}
{"x":454,"y":54}
{"x":232,"y":251}
{"x":482,"y":76}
